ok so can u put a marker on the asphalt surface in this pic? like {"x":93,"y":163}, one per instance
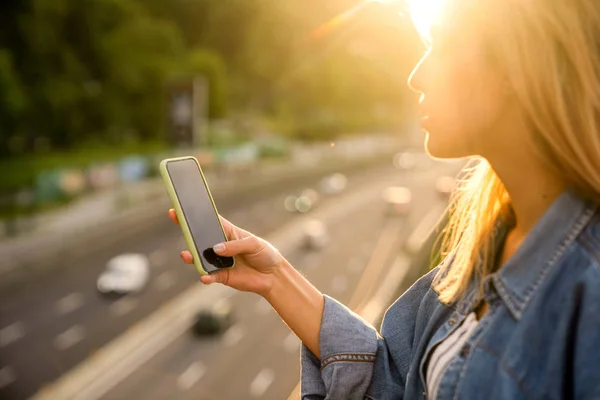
{"x":50,"y":325}
{"x":258,"y":357}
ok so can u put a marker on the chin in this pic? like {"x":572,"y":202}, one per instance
{"x":444,"y":149}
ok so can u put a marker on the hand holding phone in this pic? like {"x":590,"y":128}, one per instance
{"x":196,"y":212}
{"x":256,"y":260}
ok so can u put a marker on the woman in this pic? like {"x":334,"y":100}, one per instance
{"x":513,"y":312}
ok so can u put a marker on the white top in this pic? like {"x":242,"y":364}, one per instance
{"x":444,"y":353}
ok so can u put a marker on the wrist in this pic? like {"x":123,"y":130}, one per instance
{"x":282,"y":277}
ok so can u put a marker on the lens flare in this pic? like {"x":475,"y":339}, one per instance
{"x":424,"y":14}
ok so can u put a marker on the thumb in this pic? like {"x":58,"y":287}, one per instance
{"x":216,"y":277}
{"x":247,"y":245}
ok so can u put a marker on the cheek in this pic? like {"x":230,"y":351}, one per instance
{"x":459,"y":114}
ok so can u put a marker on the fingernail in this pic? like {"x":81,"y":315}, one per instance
{"x":219,"y":248}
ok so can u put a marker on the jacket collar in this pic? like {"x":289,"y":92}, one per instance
{"x":519,"y":278}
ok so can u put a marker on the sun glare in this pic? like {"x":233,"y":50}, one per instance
{"x":424,"y":14}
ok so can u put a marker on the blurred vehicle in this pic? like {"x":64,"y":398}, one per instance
{"x":398,"y":200}
{"x":316,"y":235}
{"x":445,"y":185}
{"x":125,"y":273}
{"x":213,"y":320}
{"x":303,"y":203}
{"x":405,"y":160}
{"x":334,"y":184}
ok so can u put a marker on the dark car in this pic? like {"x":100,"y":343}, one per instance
{"x":213,"y":320}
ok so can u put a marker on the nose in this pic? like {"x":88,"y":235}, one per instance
{"x":416,"y":80}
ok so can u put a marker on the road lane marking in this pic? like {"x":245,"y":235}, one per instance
{"x":158,"y":258}
{"x":69,"y":303}
{"x":7,"y":376}
{"x":291,"y":343}
{"x":261,"y":383}
{"x":123,"y":306}
{"x":381,"y":299}
{"x":262,"y":306}
{"x":11,"y":333}
{"x":233,"y":335}
{"x":339,"y":284}
{"x":420,"y":234}
{"x":70,"y":337}
{"x":191,"y":375}
{"x":164,"y":281}
{"x":113,"y":363}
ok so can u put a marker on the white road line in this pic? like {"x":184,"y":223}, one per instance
{"x":233,"y":335}
{"x":339,"y":284}
{"x":69,"y":303}
{"x":158,"y":258}
{"x":261,"y":383}
{"x":355,"y":265}
{"x":385,"y":293}
{"x":291,"y":343}
{"x":164,"y":281}
{"x":123,"y":306}
{"x":262,"y":306}
{"x":421,"y":232}
{"x":69,"y":338}
{"x":11,"y":333}
{"x":191,"y":375}
{"x":7,"y":376}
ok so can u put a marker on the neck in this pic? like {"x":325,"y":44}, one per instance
{"x":532,"y":189}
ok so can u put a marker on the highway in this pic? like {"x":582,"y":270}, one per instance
{"x":51,"y":325}
{"x":258,"y":357}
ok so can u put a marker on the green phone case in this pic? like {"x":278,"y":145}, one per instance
{"x":177,"y":205}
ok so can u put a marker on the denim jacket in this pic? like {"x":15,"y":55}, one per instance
{"x":540,"y":338}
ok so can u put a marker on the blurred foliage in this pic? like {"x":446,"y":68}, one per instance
{"x":94,"y":73}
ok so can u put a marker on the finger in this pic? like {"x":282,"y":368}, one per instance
{"x":247,"y":245}
{"x":216,"y":277}
{"x":232,"y":231}
{"x":187,"y":257}
{"x":173,"y":216}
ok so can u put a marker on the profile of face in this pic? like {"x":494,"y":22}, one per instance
{"x":464,"y":104}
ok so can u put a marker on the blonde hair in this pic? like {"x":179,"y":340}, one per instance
{"x":550,"y":51}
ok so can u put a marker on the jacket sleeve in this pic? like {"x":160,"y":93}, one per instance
{"x":355,"y":360}
{"x":348,"y":347}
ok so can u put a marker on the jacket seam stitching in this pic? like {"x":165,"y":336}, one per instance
{"x":571,"y":237}
{"x":348,"y":357}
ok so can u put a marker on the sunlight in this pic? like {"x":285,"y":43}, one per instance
{"x":424,"y":14}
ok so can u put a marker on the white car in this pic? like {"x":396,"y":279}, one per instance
{"x":406,"y":160}
{"x":334,"y":184}
{"x":125,"y":273}
{"x":445,"y":185}
{"x":316,"y":235}
{"x":397,"y":200}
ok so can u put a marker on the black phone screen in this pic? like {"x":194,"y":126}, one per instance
{"x":199,"y":212}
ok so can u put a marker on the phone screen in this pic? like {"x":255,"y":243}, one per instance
{"x":199,"y":212}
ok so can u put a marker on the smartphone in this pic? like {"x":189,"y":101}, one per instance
{"x":196,"y":212}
